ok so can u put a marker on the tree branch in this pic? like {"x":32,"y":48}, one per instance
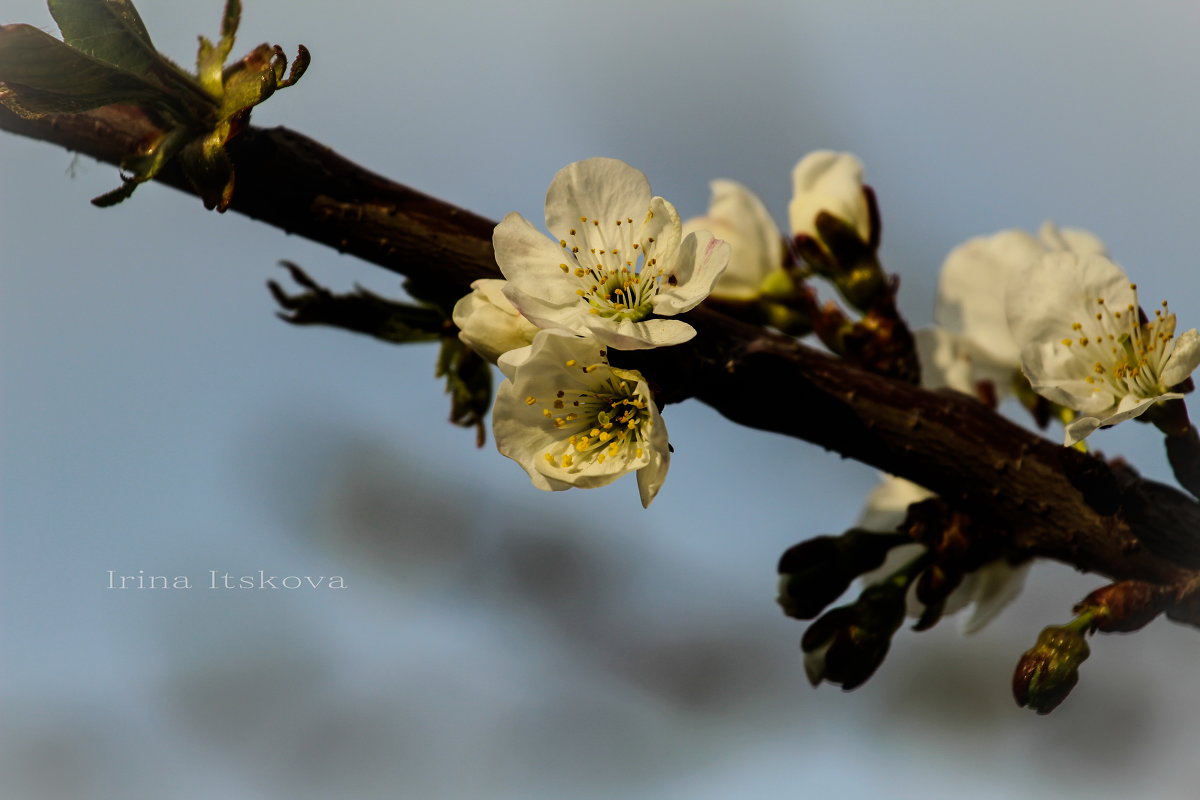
{"x":1055,"y":502}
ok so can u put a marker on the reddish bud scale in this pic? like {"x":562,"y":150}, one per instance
{"x":1125,"y":606}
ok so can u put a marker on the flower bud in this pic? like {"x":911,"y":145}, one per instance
{"x":814,"y":573}
{"x":847,"y":644}
{"x":1046,"y":674}
{"x":489,"y":323}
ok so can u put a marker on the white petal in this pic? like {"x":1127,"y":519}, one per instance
{"x":488,"y":323}
{"x":897,"y":559}
{"x":509,"y":361}
{"x":832,"y":182}
{"x":1128,"y":408}
{"x":737,"y":216}
{"x":888,"y":503}
{"x":1076,"y":240}
{"x":626,"y":335}
{"x":701,"y":261}
{"x":650,"y":477}
{"x":546,"y":315}
{"x":1079,"y":429}
{"x":1185,"y":357}
{"x":971,"y":289}
{"x":952,"y":360}
{"x":996,"y":585}
{"x":1044,"y":299}
{"x":531,"y":262}
{"x":604,"y":189}
{"x":661,"y":223}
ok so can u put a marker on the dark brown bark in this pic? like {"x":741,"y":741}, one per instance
{"x":1053,"y":501}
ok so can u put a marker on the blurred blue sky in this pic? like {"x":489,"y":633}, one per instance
{"x":157,"y":416}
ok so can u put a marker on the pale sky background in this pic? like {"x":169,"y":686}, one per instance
{"x":496,"y":641}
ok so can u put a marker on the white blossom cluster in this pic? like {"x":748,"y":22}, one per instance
{"x":1048,"y":313}
{"x":617,"y":268}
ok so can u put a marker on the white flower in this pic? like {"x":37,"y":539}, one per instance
{"x":488,"y":323}
{"x":976,"y":344}
{"x":617,"y":258}
{"x":569,"y":419}
{"x":1084,"y":346}
{"x":737,"y":216}
{"x":986,"y":591}
{"x":830,"y":182}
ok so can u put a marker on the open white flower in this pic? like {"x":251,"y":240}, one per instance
{"x":617,"y":258}
{"x":488,"y":323}
{"x":1085,"y":346}
{"x":973,"y":283}
{"x":737,"y":216}
{"x":832,"y":182}
{"x":569,"y":419}
{"x":972,"y":341}
{"x":986,"y":591}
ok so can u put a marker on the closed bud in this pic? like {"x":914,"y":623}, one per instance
{"x":1125,"y":606}
{"x":847,"y":644}
{"x":816,"y":572}
{"x":1048,"y":672}
{"x":838,"y":253}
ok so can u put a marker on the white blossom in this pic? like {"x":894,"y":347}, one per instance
{"x":569,"y":419}
{"x":488,"y":323}
{"x":737,"y":216}
{"x":972,"y":342}
{"x":1085,"y":346}
{"x":986,"y":591}
{"x":831,"y":182}
{"x":618,"y":259}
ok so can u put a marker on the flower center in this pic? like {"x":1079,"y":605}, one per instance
{"x":618,"y":277}
{"x":1127,"y":351}
{"x":609,"y":421}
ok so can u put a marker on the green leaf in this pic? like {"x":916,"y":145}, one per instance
{"x":109,"y":30}
{"x":112,"y":31}
{"x":45,"y":76}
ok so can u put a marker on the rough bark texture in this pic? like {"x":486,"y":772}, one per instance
{"x":1055,"y":502}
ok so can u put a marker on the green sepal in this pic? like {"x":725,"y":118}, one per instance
{"x":469,"y":384}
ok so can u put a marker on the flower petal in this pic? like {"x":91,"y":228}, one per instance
{"x":701,"y":261}
{"x":996,"y":585}
{"x":827,"y":181}
{"x":650,"y":478}
{"x":488,"y":323}
{"x":605,"y":189}
{"x":888,"y":503}
{"x":952,"y":360}
{"x":970,"y":297}
{"x":1075,"y":240}
{"x":531,"y":262}
{"x":1185,"y":357}
{"x":737,"y":216}
{"x":627,"y":335}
